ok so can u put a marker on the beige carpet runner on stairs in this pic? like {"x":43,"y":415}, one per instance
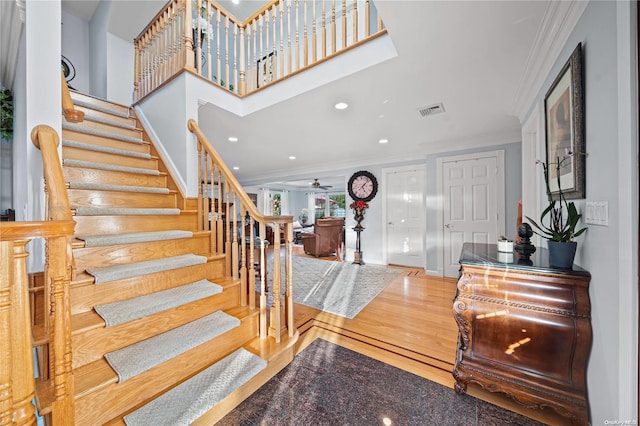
{"x":190,"y":400}
{"x":118,"y":272}
{"x":139,"y":307}
{"x":146,"y":354}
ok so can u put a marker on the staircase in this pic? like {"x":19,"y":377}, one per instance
{"x":159,"y":329}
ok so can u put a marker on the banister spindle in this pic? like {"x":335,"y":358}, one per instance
{"x":226,"y":52}
{"x":367,"y":18}
{"x":333,"y":26}
{"x":281,"y":55}
{"x":242,"y":84}
{"x":198,"y":38}
{"x":201,"y":183}
{"x":244,"y":240}
{"x":314,"y":36}
{"x":289,"y":53}
{"x":219,"y":221}
{"x":344,"y":24}
{"x":305,"y":37}
{"x":234,"y":236}
{"x":209,"y":29}
{"x":297,"y":42}
{"x":267,"y":63}
{"x":274,"y":51}
{"x":355,"y":21}
{"x":254,"y":65}
{"x":324,"y":30}
{"x":288,"y":302}
{"x":235,"y":57}
{"x":218,"y":59}
{"x":261,"y":73}
{"x":263,"y":282}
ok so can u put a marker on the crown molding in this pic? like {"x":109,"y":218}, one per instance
{"x":560,"y":18}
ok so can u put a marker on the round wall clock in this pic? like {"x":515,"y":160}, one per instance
{"x":362,"y":186}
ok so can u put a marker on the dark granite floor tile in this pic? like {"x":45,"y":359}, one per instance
{"x":330,"y":385}
{"x":489,"y":414}
{"x":234,"y":418}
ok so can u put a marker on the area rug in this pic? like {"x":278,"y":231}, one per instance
{"x":339,"y":288}
{"x":327,"y":384}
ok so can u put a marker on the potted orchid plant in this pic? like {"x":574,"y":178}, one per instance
{"x":559,"y":221}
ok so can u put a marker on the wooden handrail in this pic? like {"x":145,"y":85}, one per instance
{"x":238,"y":249}
{"x":72,"y":114}
{"x":244,"y":197}
{"x":46,"y":139}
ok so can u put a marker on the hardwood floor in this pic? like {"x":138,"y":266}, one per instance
{"x":408,"y":325}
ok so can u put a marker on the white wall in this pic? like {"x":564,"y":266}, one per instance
{"x":120,"y":69}
{"x":98,"y":49}
{"x":75,"y":47}
{"x":607,"y":32}
{"x":37,"y":94}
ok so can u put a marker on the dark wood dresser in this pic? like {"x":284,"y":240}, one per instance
{"x":525,"y":329}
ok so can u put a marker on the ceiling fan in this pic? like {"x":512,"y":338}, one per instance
{"x":317,"y":185}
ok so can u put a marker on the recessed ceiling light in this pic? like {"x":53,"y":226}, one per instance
{"x":235,"y":1}
{"x":383,"y":140}
{"x":233,"y":139}
{"x":341,"y":105}
{"x":236,"y":168}
{"x":292,"y":157}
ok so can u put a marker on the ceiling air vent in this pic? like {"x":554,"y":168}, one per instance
{"x":431,"y":110}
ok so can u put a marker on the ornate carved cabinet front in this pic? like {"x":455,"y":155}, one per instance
{"x":525,"y":330}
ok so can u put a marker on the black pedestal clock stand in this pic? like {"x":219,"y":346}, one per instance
{"x":357,"y":255}
{"x":362,"y":187}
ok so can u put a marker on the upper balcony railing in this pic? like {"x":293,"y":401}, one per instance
{"x":279,"y":40}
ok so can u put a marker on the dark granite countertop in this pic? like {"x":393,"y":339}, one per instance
{"x":488,"y":255}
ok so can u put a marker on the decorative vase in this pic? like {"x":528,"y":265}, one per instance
{"x":358,"y":216}
{"x":561,"y":254}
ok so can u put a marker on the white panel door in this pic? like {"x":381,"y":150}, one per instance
{"x":405,"y":216}
{"x":470,"y":212}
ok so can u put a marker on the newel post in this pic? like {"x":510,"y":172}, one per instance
{"x":6,"y":280}
{"x":22,"y":379}
{"x":189,"y":62}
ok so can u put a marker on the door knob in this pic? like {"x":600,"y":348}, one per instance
{"x":448,"y":226}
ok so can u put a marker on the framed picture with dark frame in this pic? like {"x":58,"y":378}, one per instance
{"x":564,"y":128}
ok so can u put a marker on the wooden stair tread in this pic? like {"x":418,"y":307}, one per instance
{"x":85,"y":321}
{"x":277,"y":356}
{"x":99,"y":374}
{"x":82,"y":278}
{"x":89,"y":320}
{"x":96,"y":383}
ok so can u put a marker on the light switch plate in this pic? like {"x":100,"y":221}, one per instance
{"x":597,"y":213}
